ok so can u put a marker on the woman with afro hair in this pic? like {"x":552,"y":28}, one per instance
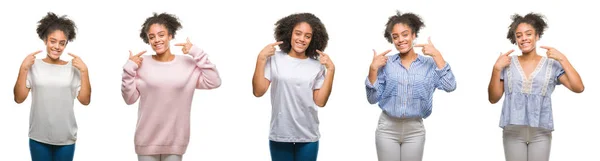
{"x":165,"y":84}
{"x":403,"y":84}
{"x":54,"y":85}
{"x":301,"y":76}
{"x":527,"y":81}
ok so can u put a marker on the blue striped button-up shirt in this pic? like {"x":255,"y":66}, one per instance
{"x":408,"y":93}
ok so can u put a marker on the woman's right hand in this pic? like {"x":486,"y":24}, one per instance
{"x":503,"y":61}
{"x":137,"y":58}
{"x":29,"y":60}
{"x":269,"y":50}
{"x":379,"y":60}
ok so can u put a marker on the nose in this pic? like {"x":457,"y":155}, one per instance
{"x":302,"y":39}
{"x":55,"y":46}
{"x":400,"y":40}
{"x":523,"y":38}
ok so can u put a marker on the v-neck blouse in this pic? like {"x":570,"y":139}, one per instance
{"x":527,"y":99}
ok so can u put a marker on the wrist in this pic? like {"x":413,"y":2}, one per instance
{"x":436,"y":54}
{"x":373,"y":68}
{"x":496,"y":69}
{"x":330,"y":67}
{"x":262,"y":57}
{"x":24,"y":69}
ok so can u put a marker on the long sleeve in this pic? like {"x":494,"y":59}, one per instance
{"x":209,"y":77}
{"x":375,"y":91}
{"x":446,"y":79}
{"x":129,"y":89}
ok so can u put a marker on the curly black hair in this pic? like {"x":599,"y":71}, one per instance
{"x":410,"y":19}
{"x":52,"y":22}
{"x":534,"y":19}
{"x":285,"y":26}
{"x":171,"y":22}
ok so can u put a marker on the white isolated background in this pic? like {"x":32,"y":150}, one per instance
{"x":229,"y":123}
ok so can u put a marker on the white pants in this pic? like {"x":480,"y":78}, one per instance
{"x":400,"y":139}
{"x":161,"y":157}
{"x":525,"y":143}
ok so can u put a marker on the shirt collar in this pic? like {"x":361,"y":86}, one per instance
{"x":396,"y":57}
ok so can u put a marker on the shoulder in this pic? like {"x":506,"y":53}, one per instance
{"x":554,"y":63}
{"x":426,"y":60}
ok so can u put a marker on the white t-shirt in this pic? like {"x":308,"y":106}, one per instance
{"x":53,"y":91}
{"x":294,"y":115}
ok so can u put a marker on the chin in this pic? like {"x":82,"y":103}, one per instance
{"x":159,"y":51}
{"x":299,"y":50}
{"x":527,"y":50}
{"x":404,"y":51}
{"x":54,"y":57}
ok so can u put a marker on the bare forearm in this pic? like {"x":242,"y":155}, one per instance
{"x":20,"y":90}
{"x":372,"y":75}
{"x":259,"y":83}
{"x":85,"y":91}
{"x":439,"y":61}
{"x":325,"y":91}
{"x":495,"y":88}
{"x":573,"y":76}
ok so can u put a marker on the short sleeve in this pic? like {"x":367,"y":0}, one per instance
{"x":76,"y":83}
{"x":28,"y":83}
{"x":503,"y":73}
{"x":558,"y":71}
{"x":268,"y":68}
{"x":319,"y":79}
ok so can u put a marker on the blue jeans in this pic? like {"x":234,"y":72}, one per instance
{"x":46,"y":152}
{"x":284,"y":151}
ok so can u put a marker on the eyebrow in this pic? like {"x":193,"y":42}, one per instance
{"x":401,"y":32}
{"x":526,"y":31}
{"x":302,"y":32}
{"x":54,"y":39}
{"x":156,"y":33}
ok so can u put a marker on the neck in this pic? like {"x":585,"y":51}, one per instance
{"x":52,"y":61}
{"x":164,"y":57}
{"x":529,"y":55}
{"x":297,"y":55}
{"x":410,"y":55}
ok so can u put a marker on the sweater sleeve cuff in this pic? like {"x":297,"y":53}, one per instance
{"x":130,"y":67}
{"x":196,"y":52}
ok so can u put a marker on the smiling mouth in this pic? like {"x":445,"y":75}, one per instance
{"x":54,"y":52}
{"x":403,"y":45}
{"x":525,"y":44}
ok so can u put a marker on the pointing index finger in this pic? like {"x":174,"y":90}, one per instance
{"x":140,"y":54}
{"x":429,"y":40}
{"x":385,"y":52}
{"x":320,"y":52}
{"x":73,"y":55}
{"x":546,"y":47}
{"x":276,"y":43}
{"x":508,"y":53}
{"x":36,"y":52}
{"x":420,"y":45}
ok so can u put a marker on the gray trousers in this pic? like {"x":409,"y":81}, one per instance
{"x":400,"y":139}
{"x":525,"y":143}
